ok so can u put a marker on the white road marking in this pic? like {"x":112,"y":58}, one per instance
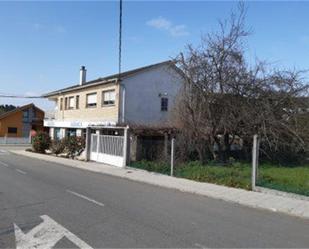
{"x":85,"y":197}
{"x":4,"y":152}
{"x":4,"y":164}
{"x":200,"y":246}
{"x":20,"y":171}
{"x":45,"y":236}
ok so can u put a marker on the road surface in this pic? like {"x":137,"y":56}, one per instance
{"x":44,"y":204}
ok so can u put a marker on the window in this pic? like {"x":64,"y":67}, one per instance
{"x":12,"y":130}
{"x":65,"y":103}
{"x":71,"y":132}
{"x":108,"y":97}
{"x":61,"y":104}
{"x":77,"y":102}
{"x":91,"y":100}
{"x":164,"y":104}
{"x":71,"y":102}
{"x":57,"y":133}
{"x":26,"y":114}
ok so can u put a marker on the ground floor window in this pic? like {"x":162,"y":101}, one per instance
{"x":12,"y":130}
{"x":71,"y":132}
{"x":57,"y":133}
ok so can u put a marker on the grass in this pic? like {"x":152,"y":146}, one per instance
{"x":295,"y":180}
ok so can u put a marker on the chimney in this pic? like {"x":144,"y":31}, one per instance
{"x":82,"y":75}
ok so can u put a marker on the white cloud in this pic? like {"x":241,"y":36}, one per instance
{"x":162,"y":23}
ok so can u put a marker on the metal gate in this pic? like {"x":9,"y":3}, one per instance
{"x":108,"y":149}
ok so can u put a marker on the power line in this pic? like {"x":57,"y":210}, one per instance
{"x":20,"y":96}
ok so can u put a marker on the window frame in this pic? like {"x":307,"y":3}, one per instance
{"x":61,"y":104}
{"x":77,"y":102}
{"x":26,"y":112}
{"x":89,"y":105}
{"x":103,"y":98}
{"x":164,"y":104}
{"x":66,"y":103}
{"x":15,"y":129}
{"x":69,"y":103}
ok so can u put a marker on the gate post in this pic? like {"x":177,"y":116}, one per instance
{"x":88,"y":143}
{"x":172,"y":155}
{"x":255,"y":161}
{"x":125,"y":146}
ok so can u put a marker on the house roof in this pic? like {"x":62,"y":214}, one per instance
{"x":108,"y":79}
{"x":21,"y":108}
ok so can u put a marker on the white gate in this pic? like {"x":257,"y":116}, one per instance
{"x":108,"y":149}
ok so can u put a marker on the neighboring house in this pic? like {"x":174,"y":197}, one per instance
{"x":21,"y":121}
{"x":143,"y":96}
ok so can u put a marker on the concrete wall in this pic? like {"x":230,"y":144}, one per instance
{"x":98,"y":113}
{"x":142,"y":101}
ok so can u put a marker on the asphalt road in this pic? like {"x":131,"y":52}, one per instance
{"x":104,"y":211}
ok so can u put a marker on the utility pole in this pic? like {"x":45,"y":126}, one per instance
{"x":120,"y":37}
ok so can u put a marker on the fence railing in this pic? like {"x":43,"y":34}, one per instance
{"x":15,"y":140}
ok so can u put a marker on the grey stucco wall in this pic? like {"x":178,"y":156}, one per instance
{"x":143,"y":101}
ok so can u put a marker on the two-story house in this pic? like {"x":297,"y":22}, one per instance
{"x":143,"y":96}
{"x":21,"y":121}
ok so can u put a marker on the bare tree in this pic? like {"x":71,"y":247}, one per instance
{"x":223,"y":98}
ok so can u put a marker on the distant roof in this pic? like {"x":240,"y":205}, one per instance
{"x":21,"y":108}
{"x":107,"y":79}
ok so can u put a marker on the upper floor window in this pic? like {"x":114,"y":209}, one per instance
{"x":91,"y":100}
{"x":26,"y":114}
{"x":61,"y":104}
{"x":108,"y":97}
{"x":65,"y":103}
{"x":77,"y":102}
{"x":71,"y":102}
{"x":164,"y":104}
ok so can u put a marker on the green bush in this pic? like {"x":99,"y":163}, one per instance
{"x":74,"y":146}
{"x":41,"y":142}
{"x":57,"y":147}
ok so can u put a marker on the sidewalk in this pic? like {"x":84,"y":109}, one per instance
{"x":266,"y":201}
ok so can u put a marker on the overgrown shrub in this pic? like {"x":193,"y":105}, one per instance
{"x":57,"y":147}
{"x":41,"y":142}
{"x":74,"y":146}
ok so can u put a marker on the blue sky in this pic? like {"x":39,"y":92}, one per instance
{"x":43,"y":44}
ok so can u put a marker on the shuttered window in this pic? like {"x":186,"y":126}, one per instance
{"x":91,"y":100}
{"x":71,"y":102}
